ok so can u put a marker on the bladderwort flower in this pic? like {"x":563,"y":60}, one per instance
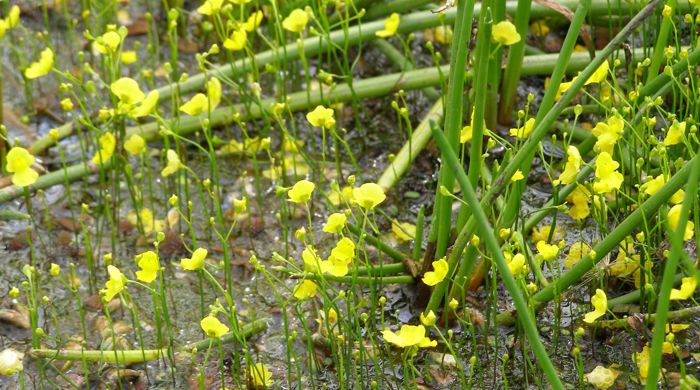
{"x":391,"y":26}
{"x":321,"y":117}
{"x":107,"y":43}
{"x":11,"y":361}
{"x":296,"y":21}
{"x":686,"y":291}
{"x":438,"y":274}
{"x":114,"y":285}
{"x":253,"y":21}
{"x":301,"y":191}
{"x":572,"y":167}
{"x":608,"y":179}
{"x":237,"y":40}
{"x":602,"y":378}
{"x":675,"y":133}
{"x":210,"y":7}
{"x":525,"y":130}
{"x":19,"y":163}
{"x":409,"y":336}
{"x":259,"y":376}
{"x":505,"y":33}
{"x":600,"y":306}
{"x":335,"y":223}
{"x":196,"y":261}
{"x":41,"y":67}
{"x":10,"y":21}
{"x":304,"y":290}
{"x":201,"y":103}
{"x":341,"y":256}
{"x":107,"y":145}
{"x":369,"y":195}
{"x":135,"y":145}
{"x":516,"y":264}
{"x":213,"y":327}
{"x":674,"y":215}
{"x":547,"y":251}
{"x":607,"y":134}
{"x":173,"y":163}
{"x":149,"y":264}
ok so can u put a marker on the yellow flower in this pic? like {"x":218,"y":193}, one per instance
{"x":547,"y":251}
{"x":523,"y":132}
{"x":305,"y":290}
{"x":403,"y":231}
{"x":150,"y":223}
{"x":505,"y":33}
{"x":577,"y":251}
{"x":607,"y":177}
{"x":650,"y":187}
{"x":129,"y":57}
{"x":341,"y":256}
{"x":301,"y":191}
{"x":409,"y":336}
{"x":437,"y":275}
{"x":195,"y":106}
{"x":236,"y":41}
{"x":108,"y":43}
{"x":41,"y":67}
{"x":675,"y":133}
{"x":127,"y":90}
{"x":335,"y":223}
{"x":114,"y":285}
{"x":296,"y":21}
{"x":19,"y":163}
{"x":602,"y":378}
{"x":391,"y":25}
{"x":429,"y":319}
{"x":368,"y":195}
{"x":173,"y":164}
{"x":55,"y":269}
{"x":196,"y":262}
{"x":67,"y":104}
{"x":579,"y":200}
{"x":572,"y":167}
{"x":600,"y":74}
{"x":686,"y":291}
{"x":148,"y":262}
{"x":321,"y":117}
{"x":259,"y":376}
{"x":517,"y":176}
{"x":542,"y":233}
{"x":516,"y":264}
{"x":210,"y":7}
{"x":135,"y":145}
{"x":253,"y":21}
{"x":147,"y":105}
{"x":677,"y":197}
{"x":600,"y":306}
{"x":213,"y":327}
{"x":312,"y":263}
{"x":641,"y":359}
{"x":608,"y":133}
{"x":539,"y":28}
{"x":107,"y":144}
{"x":11,"y":362}
{"x":465,"y":135}
{"x":674,"y":215}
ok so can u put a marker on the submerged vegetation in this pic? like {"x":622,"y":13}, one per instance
{"x":228,"y":194}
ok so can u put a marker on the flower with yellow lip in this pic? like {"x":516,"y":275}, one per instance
{"x":608,"y":179}
{"x":210,"y":7}
{"x":312,"y":262}
{"x":114,"y":285}
{"x":572,"y":167}
{"x":107,"y":43}
{"x":19,"y":163}
{"x":335,"y":223}
{"x":650,"y":187}
{"x":11,"y":362}
{"x":579,"y":200}
{"x":129,"y":57}
{"x":517,"y":176}
{"x":10,"y":21}
{"x":437,"y":275}
{"x":686,"y":291}
{"x":602,"y":378}
{"x":305,"y":290}
{"x":301,"y":191}
{"x":505,"y":33}
{"x":174,"y":164}
{"x":148,"y":220}
{"x":196,"y":261}
{"x":608,"y":133}
{"x":213,"y":327}
{"x":409,"y":336}
{"x":600,"y":306}
{"x":41,"y":67}
{"x":674,"y":215}
{"x":236,"y":41}
{"x":148,"y":262}
{"x":403,"y":231}
{"x":321,"y":117}
{"x":296,"y":21}
{"x":127,"y":90}
{"x":147,"y":105}
{"x":135,"y":145}
{"x":391,"y":25}
{"x":341,"y":256}
{"x":577,"y":251}
{"x":107,"y":145}
{"x":525,"y":130}
{"x":259,"y":376}
{"x":675,"y":133}
{"x":547,"y":251}
{"x":600,"y":74}
{"x":368,"y":195}
{"x":429,"y":319}
{"x":253,"y":21}
{"x":516,"y":264}
{"x":201,"y":103}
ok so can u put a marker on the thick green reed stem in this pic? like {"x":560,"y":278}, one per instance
{"x":663,"y":299}
{"x":487,"y":234}
{"x":441,"y":227}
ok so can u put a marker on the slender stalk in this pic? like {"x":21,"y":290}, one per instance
{"x":511,"y":76}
